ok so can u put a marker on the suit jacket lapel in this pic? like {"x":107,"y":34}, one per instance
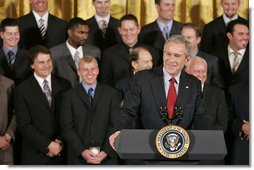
{"x":68,"y":57}
{"x":244,"y":63}
{"x":82,"y":94}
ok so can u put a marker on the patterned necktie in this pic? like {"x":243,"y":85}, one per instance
{"x":166,"y":32}
{"x":76,"y":58}
{"x":236,"y":62}
{"x":103,"y":27}
{"x":90,"y":95}
{"x":11,"y":58}
{"x":42,"y":28}
{"x":171,"y":98}
{"x":47,"y":91}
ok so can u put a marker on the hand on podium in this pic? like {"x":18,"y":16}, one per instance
{"x":112,"y":139}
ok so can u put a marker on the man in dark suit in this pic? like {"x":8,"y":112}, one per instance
{"x":37,"y":102}
{"x":40,"y":27}
{"x":239,"y":123}
{"x":88,"y":115}
{"x":163,"y":27}
{"x":149,"y":93}
{"x":7,"y":121}
{"x":103,"y":31}
{"x":191,"y":33}
{"x":13,"y":59}
{"x":214,"y":34}
{"x":214,"y":97}
{"x":66,"y":55}
{"x":115,"y":63}
{"x":235,"y":57}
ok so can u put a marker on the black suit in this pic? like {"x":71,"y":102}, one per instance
{"x":147,"y":95}
{"x":217,"y":107}
{"x":96,"y":38}
{"x":115,"y":63}
{"x":214,"y":36}
{"x":39,"y":123}
{"x":239,"y":109}
{"x":21,"y":69}
{"x":85,"y":125}
{"x":214,"y":73}
{"x":152,"y":35}
{"x":31,"y":36}
{"x":242,"y":72}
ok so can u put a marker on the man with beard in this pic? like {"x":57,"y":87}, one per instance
{"x":66,"y":56}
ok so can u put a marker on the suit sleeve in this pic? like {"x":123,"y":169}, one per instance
{"x":222,"y":113}
{"x":12,"y":125}
{"x":67,"y":125}
{"x":25,"y":122}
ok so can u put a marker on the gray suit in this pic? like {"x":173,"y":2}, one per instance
{"x":7,"y":119}
{"x":64,"y":65}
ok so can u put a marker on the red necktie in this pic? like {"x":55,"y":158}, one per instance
{"x":171,"y":98}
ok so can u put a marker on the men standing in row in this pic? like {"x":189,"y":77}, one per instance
{"x":66,"y":55}
{"x":88,"y":112}
{"x":191,"y":33}
{"x":115,"y":63}
{"x":7,"y":121}
{"x":13,"y":60}
{"x":166,"y":86}
{"x":40,"y":27}
{"x":103,"y":27}
{"x":214,"y":34}
{"x":157,"y":32}
{"x":37,"y":103}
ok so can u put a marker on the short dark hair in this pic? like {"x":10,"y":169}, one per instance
{"x":8,"y":22}
{"x":157,"y":2}
{"x":128,"y":17}
{"x":75,"y":21}
{"x":35,"y":50}
{"x":192,"y":26}
{"x":134,"y":54}
{"x":231,"y":25}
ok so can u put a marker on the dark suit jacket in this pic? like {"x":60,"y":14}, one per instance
{"x":217,"y":106}
{"x":31,"y":36}
{"x":85,"y":126}
{"x":39,"y":123}
{"x":95,"y":37}
{"x":242,"y":72}
{"x":115,"y":63}
{"x":152,"y":35}
{"x":214,"y":36}
{"x":21,"y":69}
{"x":147,"y":95}
{"x":239,"y":109}
{"x":214,"y":73}
{"x":7,"y":118}
{"x":64,"y":65}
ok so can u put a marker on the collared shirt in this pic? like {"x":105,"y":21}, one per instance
{"x":73,"y":50}
{"x":99,"y":19}
{"x":87,"y":87}
{"x":227,"y":20}
{"x":44,"y":17}
{"x":194,"y":53}
{"x":6,"y":50}
{"x":231,"y":56}
{"x":162,"y":25}
{"x":166,"y":78}
{"x":40,"y":81}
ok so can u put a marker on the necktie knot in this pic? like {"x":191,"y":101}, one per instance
{"x":47,"y":91}
{"x":76,"y":58}
{"x":103,"y":27}
{"x":11,"y":58}
{"x":236,"y":61}
{"x":172,"y":80}
{"x":90,"y":94}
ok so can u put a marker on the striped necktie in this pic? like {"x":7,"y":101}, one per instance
{"x":42,"y":28}
{"x":47,"y":91}
{"x":11,"y":58}
{"x":236,"y":62}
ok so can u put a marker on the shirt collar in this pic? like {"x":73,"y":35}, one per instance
{"x":227,"y":20}
{"x":87,"y":87}
{"x":44,"y":17}
{"x":40,"y":80}
{"x":73,"y":50}
{"x":167,"y":76}
{"x":99,"y":18}
{"x":6,"y":50}
{"x":162,"y":25}
{"x":241,"y":51}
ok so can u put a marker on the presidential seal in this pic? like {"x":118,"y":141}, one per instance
{"x":172,"y":141}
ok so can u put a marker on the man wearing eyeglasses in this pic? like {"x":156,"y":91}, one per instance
{"x":150,"y":89}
